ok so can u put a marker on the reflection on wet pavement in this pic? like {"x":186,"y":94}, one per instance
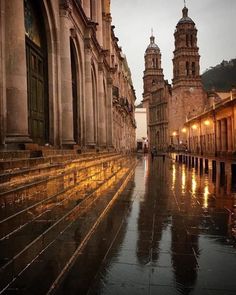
{"x":171,"y":232}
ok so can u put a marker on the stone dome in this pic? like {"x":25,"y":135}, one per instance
{"x":185,"y":18}
{"x":152,"y":45}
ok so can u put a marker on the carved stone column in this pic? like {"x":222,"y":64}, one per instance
{"x":102,"y":116}
{"x":218,"y":135}
{"x":66,"y":80}
{"x":224,"y":135}
{"x":229,"y":134}
{"x":89,"y":103}
{"x":87,"y":8}
{"x":109,"y":108}
{"x":100,"y":23}
{"x":16,"y":74}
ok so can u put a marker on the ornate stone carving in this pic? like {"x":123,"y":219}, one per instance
{"x":65,"y":7}
{"x":73,"y":33}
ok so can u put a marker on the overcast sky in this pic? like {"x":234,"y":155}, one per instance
{"x":133,"y":19}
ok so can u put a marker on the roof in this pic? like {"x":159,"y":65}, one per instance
{"x":152,"y":45}
{"x":139,"y":105}
{"x":185,"y":18}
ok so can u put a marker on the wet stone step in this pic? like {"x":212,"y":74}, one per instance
{"x":65,"y":245}
{"x":56,"y":207}
{"x":24,"y":176}
{"x":16,"y":200}
{"x":44,"y":228}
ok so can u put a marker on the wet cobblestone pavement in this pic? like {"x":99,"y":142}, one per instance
{"x":171,"y":232}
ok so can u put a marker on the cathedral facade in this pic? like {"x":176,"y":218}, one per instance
{"x":170,"y":106}
{"x":64,"y":80}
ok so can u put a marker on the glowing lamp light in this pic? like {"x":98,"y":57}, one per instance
{"x":194,"y":127}
{"x":207,"y":122}
{"x":184,"y":130}
{"x":174,"y":133}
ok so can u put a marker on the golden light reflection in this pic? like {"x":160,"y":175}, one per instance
{"x":194,"y":184}
{"x":183,"y":180}
{"x":206,"y":195}
{"x":146,"y":167}
{"x":173,"y":176}
{"x":194,"y":127}
{"x":184,"y":130}
{"x":207,"y":122}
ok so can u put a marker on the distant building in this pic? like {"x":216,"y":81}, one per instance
{"x":141,"y":131}
{"x":168,"y":107}
{"x":212,"y":132}
{"x":155,"y":97}
{"x":61,"y":72}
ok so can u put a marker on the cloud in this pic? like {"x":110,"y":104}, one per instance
{"x":215,"y":21}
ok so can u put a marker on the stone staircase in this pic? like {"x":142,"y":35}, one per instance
{"x":48,"y":206}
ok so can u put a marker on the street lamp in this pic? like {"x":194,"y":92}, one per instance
{"x":175,"y":134}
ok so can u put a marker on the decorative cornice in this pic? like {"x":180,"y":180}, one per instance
{"x":87,"y":43}
{"x":65,"y":7}
{"x":73,"y":33}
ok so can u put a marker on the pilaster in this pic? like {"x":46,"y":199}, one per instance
{"x":66,"y":79}
{"x":16,"y":74}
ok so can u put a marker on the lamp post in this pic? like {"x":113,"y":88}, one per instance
{"x":175,"y":134}
{"x":184,"y":131}
{"x":194,"y":127}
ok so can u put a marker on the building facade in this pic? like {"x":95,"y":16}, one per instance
{"x":169,"y":106}
{"x":213,"y":131}
{"x":155,"y":97}
{"x":141,"y":131}
{"x":188,"y":96}
{"x":57,"y":75}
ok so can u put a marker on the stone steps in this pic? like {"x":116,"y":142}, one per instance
{"x":24,"y":194}
{"x":38,"y":228}
{"x":26,"y":199}
{"x":15,"y":164}
{"x":9,"y":180}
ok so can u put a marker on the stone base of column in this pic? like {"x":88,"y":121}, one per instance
{"x":91,"y":146}
{"x":16,"y":142}
{"x":18,"y":139}
{"x":68,"y":144}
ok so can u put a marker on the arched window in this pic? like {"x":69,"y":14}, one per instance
{"x":193,"y":69}
{"x":75,"y":96}
{"x":191,"y":40}
{"x":187,"y":40}
{"x":36,"y":58}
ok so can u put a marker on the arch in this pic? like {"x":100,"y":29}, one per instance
{"x":76,"y":77}
{"x":187,"y":68}
{"x":193,"y":69}
{"x":105,"y":112}
{"x":37,"y":72}
{"x":94,"y":98}
{"x":47,"y":12}
{"x":75,"y":46}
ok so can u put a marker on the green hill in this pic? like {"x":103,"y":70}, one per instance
{"x":221,"y":77}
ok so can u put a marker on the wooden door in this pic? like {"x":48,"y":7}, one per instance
{"x":37,"y":98}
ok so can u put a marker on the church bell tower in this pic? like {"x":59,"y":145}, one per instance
{"x":188,"y":96}
{"x":153,"y":73}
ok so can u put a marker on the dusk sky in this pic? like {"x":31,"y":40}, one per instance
{"x":133,"y":19}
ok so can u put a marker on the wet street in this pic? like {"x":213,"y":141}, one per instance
{"x":171,"y":232}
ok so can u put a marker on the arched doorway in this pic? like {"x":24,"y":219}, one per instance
{"x":94,"y":97}
{"x":36,"y":60}
{"x":74,"y":78}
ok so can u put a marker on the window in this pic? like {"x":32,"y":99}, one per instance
{"x":193,"y":69}
{"x":187,"y":68}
